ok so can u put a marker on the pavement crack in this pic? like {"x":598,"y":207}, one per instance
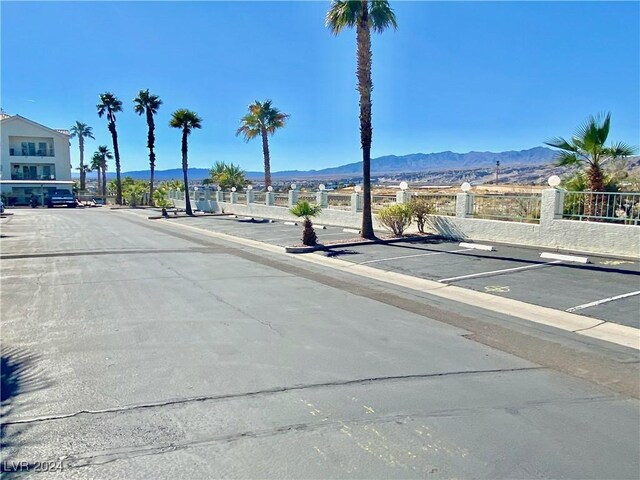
{"x":269,"y":391}
{"x":92,"y":459}
{"x":589,"y":328}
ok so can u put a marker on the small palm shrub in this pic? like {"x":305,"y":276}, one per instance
{"x":420,"y":208}
{"x":305,"y":210}
{"x":395,"y":218}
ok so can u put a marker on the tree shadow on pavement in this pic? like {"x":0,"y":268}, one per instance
{"x":19,"y":375}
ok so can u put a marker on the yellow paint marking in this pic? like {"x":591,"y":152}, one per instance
{"x":615,"y":262}
{"x":497,"y":289}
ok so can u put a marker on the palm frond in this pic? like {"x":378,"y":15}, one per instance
{"x":342,"y":14}
{"x":620,"y":149}
{"x":559,"y":142}
{"x":381,"y":16}
{"x":565,"y":159}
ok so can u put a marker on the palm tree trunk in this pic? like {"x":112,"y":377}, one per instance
{"x":104,"y":182}
{"x":185,"y":166}
{"x":365,"y":86}
{"x":267,"y":158}
{"x":98,"y":179}
{"x":116,"y":153}
{"x":151,"y":139}
{"x":82,"y":172}
{"x":595,"y":183}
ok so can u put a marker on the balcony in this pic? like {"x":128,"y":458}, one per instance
{"x":22,"y":152}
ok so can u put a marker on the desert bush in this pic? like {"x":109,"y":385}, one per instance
{"x":420,"y":208}
{"x":395,"y":218}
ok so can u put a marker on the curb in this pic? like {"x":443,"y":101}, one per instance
{"x":160,"y":217}
{"x":378,"y":241}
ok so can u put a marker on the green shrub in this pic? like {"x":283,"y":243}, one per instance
{"x":395,"y":218}
{"x":420,"y":208}
{"x":305,"y":210}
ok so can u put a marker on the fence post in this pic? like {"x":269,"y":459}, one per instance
{"x":249,"y":196}
{"x":270,"y":199}
{"x":234,"y":197}
{"x":551,"y":205}
{"x":322,"y":199}
{"x":293,"y":198}
{"x":356,"y":202}
{"x":403,"y":196}
{"x":464,"y":205}
{"x":219,"y":196}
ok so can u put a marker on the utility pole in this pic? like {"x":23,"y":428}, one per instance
{"x":497,"y":170}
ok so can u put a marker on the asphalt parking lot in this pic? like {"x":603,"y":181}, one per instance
{"x":605,"y":288}
{"x":519,"y":273}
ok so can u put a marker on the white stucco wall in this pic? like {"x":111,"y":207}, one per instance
{"x":19,"y":127}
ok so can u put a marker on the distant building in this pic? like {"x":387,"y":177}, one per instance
{"x":35,"y":160}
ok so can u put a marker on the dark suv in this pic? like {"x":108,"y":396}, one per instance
{"x":62,"y":197}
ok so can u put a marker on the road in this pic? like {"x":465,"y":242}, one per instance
{"x":132,"y":349}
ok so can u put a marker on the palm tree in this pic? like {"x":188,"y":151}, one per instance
{"x":364,"y":15}
{"x":105,"y":155}
{"x":97,"y":166}
{"x":587,"y":149}
{"x":148,"y":104}
{"x":83,"y":173}
{"x":187,"y":121}
{"x":263,"y":119}
{"x":110,"y":104}
{"x":228,"y":175}
{"x":306,"y":210}
{"x":82,"y":131}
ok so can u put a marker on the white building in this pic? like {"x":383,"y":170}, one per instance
{"x":35,"y":160}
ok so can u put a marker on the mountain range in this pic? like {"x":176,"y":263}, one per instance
{"x":389,"y":164}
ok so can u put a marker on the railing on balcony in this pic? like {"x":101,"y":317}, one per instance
{"x":514,"y":208}
{"x":614,"y":207}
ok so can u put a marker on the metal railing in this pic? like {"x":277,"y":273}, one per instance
{"x":260,"y":197}
{"x":226,"y":196}
{"x":613,"y":207}
{"x":380,"y":201}
{"x":513,"y":208}
{"x":242,"y":198}
{"x":443,"y":204}
{"x":338,"y":201}
{"x":281,"y":200}
{"x":309,"y":197}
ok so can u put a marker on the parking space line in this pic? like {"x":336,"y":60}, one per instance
{"x":412,"y":256}
{"x":496,"y":272}
{"x":604,"y":300}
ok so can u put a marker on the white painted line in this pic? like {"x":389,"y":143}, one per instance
{"x":412,"y":256}
{"x":565,"y":258}
{"x":290,"y":223}
{"x":496,"y":272}
{"x":476,"y":246}
{"x":604,"y":300}
{"x":351,"y":230}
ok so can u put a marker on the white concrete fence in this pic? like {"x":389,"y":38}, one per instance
{"x":531,"y":220}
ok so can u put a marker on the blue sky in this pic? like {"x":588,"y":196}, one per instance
{"x":455,"y":76}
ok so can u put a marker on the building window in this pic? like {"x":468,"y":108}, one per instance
{"x":42,"y":149}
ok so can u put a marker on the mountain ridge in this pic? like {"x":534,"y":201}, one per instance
{"x":387,"y":164}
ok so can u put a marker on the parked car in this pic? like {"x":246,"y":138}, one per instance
{"x":62,"y":197}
